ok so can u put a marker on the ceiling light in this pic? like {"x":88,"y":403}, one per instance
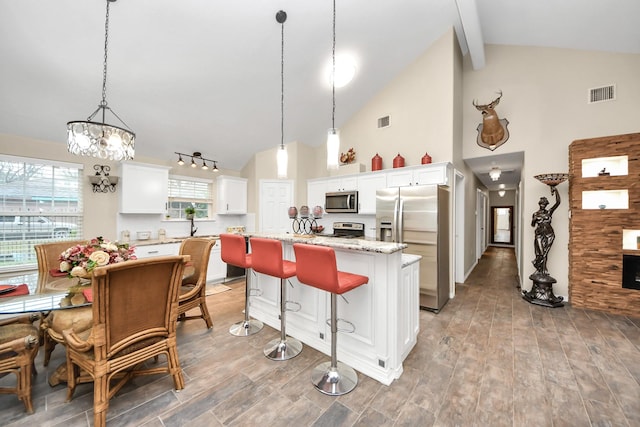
{"x":333,"y":136}
{"x":97,"y":138}
{"x":501,"y":193}
{"x":282,"y":158}
{"x":494,"y":173}
{"x":197,"y":155}
{"x":501,"y":186}
{"x":345,"y":70}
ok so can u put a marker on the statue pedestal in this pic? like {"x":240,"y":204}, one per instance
{"x":542,"y":291}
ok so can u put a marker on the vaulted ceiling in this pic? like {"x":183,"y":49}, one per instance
{"x":196,"y":75}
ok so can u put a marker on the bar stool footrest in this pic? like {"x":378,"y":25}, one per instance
{"x":246,"y":328}
{"x":334,"y":381}
{"x":282,"y":350}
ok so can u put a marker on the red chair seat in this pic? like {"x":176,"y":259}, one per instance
{"x":316,"y":266}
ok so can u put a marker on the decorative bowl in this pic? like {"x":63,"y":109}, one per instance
{"x":552,"y":179}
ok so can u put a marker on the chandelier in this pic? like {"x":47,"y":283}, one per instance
{"x":97,"y":138}
{"x":282,"y":158}
{"x":333,"y":136}
{"x":495,"y":173}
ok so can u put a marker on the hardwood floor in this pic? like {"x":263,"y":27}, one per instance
{"x":488,"y":358}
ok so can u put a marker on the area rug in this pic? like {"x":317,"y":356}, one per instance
{"x":216,"y":289}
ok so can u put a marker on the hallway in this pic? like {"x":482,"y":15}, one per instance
{"x":488,"y":358}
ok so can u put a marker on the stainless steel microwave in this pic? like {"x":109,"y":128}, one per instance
{"x":341,"y":202}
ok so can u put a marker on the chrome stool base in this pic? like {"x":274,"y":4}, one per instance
{"x":246,"y":328}
{"x":283,"y":350}
{"x":334,"y":381}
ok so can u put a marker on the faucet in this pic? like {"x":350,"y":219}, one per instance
{"x":193,"y":229}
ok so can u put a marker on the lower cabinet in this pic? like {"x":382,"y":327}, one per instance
{"x":382,"y":313}
{"x":147,"y":251}
{"x":217,"y":269}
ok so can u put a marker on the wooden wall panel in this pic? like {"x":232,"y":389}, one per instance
{"x":595,"y":236}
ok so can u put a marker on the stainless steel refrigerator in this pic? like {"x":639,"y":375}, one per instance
{"x":419,"y":217}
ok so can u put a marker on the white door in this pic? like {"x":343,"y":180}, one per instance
{"x":480,"y":224}
{"x":458,"y":229}
{"x":275,"y":198}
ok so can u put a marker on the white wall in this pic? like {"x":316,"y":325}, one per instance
{"x":545,"y":101}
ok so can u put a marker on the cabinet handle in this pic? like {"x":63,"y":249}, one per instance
{"x":153,"y":252}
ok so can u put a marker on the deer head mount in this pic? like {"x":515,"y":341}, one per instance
{"x":492,"y":132}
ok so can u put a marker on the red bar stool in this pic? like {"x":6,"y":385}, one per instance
{"x":233,"y":251}
{"x":316,"y":266}
{"x":267,"y":259}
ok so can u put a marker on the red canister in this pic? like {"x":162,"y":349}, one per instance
{"x":398,"y":161}
{"x":426,"y":159}
{"x":376,"y":163}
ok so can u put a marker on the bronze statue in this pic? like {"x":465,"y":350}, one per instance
{"x":544,"y":235}
{"x":542,"y":291}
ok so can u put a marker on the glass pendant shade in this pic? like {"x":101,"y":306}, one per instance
{"x":86,"y":138}
{"x":282,"y":159}
{"x":333,"y":148}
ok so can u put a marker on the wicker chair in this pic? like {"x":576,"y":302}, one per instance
{"x":48,"y":256}
{"x":194,"y":288}
{"x":18,"y":349}
{"x":135,"y":311}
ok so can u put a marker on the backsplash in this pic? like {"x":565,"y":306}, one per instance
{"x":181,"y":228}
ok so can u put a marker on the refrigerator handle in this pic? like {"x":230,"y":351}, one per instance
{"x":394,"y":229}
{"x":400,"y":222}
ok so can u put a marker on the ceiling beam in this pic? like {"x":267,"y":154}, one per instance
{"x":468,"y":12}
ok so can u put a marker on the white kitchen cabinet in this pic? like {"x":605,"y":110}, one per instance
{"x":436,"y":173}
{"x":316,"y":190}
{"x":217,"y":269}
{"x":343,"y":183}
{"x":368,"y":184}
{"x":232,"y":195}
{"x":161,"y":249}
{"x":143,"y":188}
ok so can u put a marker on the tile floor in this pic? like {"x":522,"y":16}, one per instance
{"x":488,"y":358}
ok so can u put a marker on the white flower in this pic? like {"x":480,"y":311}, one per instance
{"x":99,"y":257}
{"x":78,"y":271}
{"x":109,"y":247}
{"x":64,"y":266}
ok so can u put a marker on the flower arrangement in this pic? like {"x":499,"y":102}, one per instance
{"x":80,"y":260}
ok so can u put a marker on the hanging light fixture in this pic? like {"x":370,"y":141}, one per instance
{"x":333,"y":137}
{"x":282,"y":157}
{"x":501,"y":193}
{"x":494,"y":173}
{"x":96,"y":138}
{"x":197,"y":156}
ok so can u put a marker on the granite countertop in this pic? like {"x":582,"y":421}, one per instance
{"x":408,"y":259}
{"x":364,"y":245}
{"x":168,"y":240}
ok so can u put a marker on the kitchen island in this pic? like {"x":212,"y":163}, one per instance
{"x":384,"y":312}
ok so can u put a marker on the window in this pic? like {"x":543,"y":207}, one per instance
{"x":40,"y":201}
{"x":189,"y":192}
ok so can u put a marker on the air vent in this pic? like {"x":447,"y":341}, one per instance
{"x":383,"y":122}
{"x":600,"y":94}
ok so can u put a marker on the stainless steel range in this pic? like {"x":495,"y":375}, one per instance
{"x":347,"y":230}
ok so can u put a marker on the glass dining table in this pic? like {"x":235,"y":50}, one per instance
{"x":46,"y":293}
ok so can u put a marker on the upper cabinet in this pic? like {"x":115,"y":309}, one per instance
{"x":368,"y":185}
{"x":316,"y":190}
{"x":232,"y":195}
{"x":437,"y":173}
{"x":343,"y":183}
{"x":143,"y":188}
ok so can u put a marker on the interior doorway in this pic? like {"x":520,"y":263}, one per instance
{"x":502,"y":225}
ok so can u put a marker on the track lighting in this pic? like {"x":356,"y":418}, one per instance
{"x":197,"y":156}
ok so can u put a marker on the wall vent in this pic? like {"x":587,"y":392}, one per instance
{"x":600,"y":94}
{"x":384,"y":122}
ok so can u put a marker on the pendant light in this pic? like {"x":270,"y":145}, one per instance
{"x":333,"y":137}
{"x":97,"y":138}
{"x":282,"y":157}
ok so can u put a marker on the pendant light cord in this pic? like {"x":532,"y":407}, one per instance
{"x":282,"y":87}
{"x":104,"y":67}
{"x":333,"y":73}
